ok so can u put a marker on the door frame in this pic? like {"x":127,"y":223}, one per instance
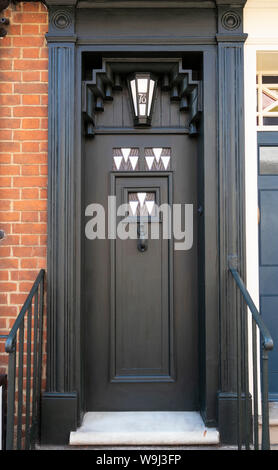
{"x":221,"y":176}
{"x":264,"y":139}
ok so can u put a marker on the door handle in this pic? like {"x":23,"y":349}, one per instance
{"x":142,"y":243}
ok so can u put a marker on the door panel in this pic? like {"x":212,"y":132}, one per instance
{"x":140,"y":308}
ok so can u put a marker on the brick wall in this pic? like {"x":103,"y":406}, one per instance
{"x":23,"y":157}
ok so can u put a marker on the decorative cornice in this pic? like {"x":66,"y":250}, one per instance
{"x":231,"y":37}
{"x":231,"y":3}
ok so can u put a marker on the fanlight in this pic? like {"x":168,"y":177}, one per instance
{"x":142,"y":90}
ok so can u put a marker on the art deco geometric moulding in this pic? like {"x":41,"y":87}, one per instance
{"x":170,"y":74}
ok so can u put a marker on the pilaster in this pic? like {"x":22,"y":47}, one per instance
{"x":230,"y":38}
{"x":61,"y":394}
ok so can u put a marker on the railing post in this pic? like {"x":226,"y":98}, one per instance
{"x":11,"y":399}
{"x":265,"y":410}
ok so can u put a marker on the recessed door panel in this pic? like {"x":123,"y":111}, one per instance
{"x":142,"y":318}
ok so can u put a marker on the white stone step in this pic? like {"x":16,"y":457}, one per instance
{"x":273,"y":423}
{"x":144,"y":428}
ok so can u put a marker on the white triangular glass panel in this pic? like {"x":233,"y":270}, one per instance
{"x":133,"y":206}
{"x":157,"y":153}
{"x":118,"y":161}
{"x":133,"y":161}
{"x":165,"y":161}
{"x":141,"y":197}
{"x":152,"y":82}
{"x":150,"y":205}
{"x":125,"y":152}
{"x":149,"y":161}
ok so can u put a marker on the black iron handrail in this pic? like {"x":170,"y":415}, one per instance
{"x":29,"y":367}
{"x":243,"y":379}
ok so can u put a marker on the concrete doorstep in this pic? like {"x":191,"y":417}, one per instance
{"x":143,"y":428}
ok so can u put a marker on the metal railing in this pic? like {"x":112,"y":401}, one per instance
{"x":24,"y":346}
{"x":248,"y":411}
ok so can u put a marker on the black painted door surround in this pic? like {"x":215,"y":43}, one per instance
{"x":209,"y":36}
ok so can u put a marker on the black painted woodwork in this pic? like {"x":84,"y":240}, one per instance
{"x":145,"y":339}
{"x":208,"y":30}
{"x":268,"y":259}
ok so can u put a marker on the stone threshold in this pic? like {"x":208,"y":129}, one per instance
{"x":140,"y":428}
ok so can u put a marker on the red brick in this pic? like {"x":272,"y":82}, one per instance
{"x":6,"y":41}
{"x":44,"y":53}
{"x":30,"y":217}
{"x":8,"y":286}
{"x":5,"y":251}
{"x":10,"y":240}
{"x":9,"y":193}
{"x":30,"y":88}
{"x":28,"y":275}
{"x":8,"y":263}
{"x":43,"y":169}
{"x":30,"y":123}
{"x":5,"y":111}
{"x":5,"y":64}
{"x":30,"y":240}
{"x":14,"y":30}
{"x":5,"y":158}
{"x":26,"y":41}
{"x":29,"y":263}
{"x":3,"y":298}
{"x":44,"y":99}
{"x":31,"y":76}
{"x":5,"y":182}
{"x":10,"y":170}
{"x":44,"y":76}
{"x":25,"y":286}
{"x":29,"y":193}
{"x":23,"y":251}
{"x":30,"y":205}
{"x":17,"y":299}
{"x":30,"y":135}
{"x":30,"y":18}
{"x":6,"y":87}
{"x":29,"y":181}
{"x":5,"y":205}
{"x":31,"y":29}
{"x":31,"y":99}
{"x":30,"y":53}
{"x":30,"y":147}
{"x":10,"y":76}
{"x":25,"y":64}
{"x":4,"y":275}
{"x":9,"y":216}
{"x":30,"y":111}
{"x":29,"y":228}
{"x":10,"y":147}
{"x":43,"y":216}
{"x":8,"y":311}
{"x":5,"y":135}
{"x":9,"y":123}
{"x":29,"y":158}
{"x":9,"y":100}
{"x":10,"y":52}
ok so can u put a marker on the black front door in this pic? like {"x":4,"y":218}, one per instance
{"x":140,"y":295}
